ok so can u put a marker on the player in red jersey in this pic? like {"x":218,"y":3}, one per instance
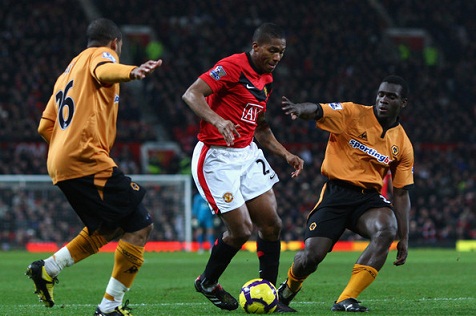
{"x":229,"y":169}
{"x":365,"y":143}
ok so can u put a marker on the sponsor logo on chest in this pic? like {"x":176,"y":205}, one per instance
{"x":370,"y":151}
{"x":250,"y":113}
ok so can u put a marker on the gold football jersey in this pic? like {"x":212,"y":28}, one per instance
{"x":84,"y":112}
{"x":360,"y":152}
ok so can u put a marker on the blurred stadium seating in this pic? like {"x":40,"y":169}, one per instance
{"x":337,"y":51}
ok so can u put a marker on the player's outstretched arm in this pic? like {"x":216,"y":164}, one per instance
{"x":305,"y":111}
{"x":145,"y":69}
{"x":110,"y":73}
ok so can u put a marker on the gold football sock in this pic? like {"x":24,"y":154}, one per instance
{"x":128,"y":259}
{"x":294,"y":283}
{"x":84,"y":245}
{"x":362,"y":276}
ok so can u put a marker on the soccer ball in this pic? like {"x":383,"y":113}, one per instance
{"x":258,"y":296}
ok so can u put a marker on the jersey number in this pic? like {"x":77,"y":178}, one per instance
{"x":265,"y":172}
{"x":65,"y":106}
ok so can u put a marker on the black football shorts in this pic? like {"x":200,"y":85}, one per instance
{"x":340,"y":207}
{"x":113,"y":201}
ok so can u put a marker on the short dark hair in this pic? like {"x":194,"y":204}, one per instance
{"x":101,"y":31}
{"x":399,"y":81}
{"x":266,"y":32}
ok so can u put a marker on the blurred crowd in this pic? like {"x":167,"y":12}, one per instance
{"x":336,"y":51}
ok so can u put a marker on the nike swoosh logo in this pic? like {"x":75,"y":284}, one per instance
{"x":248,"y":86}
{"x":272,"y":177}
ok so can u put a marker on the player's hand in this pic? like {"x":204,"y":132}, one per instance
{"x":145,"y":69}
{"x":290,"y":108}
{"x":306,"y":111}
{"x":402,"y":253}
{"x":228,"y":130}
{"x":297,"y":163}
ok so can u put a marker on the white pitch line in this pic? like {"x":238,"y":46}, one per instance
{"x":297,"y":303}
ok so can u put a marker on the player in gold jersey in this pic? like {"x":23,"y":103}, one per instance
{"x":365,"y":143}
{"x":79,"y":124}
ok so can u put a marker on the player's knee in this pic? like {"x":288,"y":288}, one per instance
{"x":308,"y":261}
{"x":148,"y":230}
{"x":139,"y":237}
{"x":271,"y":231}
{"x":239,"y":238}
{"x":386,"y":234}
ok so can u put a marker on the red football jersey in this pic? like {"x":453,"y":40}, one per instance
{"x":240,"y":93}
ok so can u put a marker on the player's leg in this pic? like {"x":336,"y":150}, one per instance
{"x":44,"y":272}
{"x":325,"y":225}
{"x":257,"y":189}
{"x":128,"y":259}
{"x":217,"y":174}
{"x":380,"y":226}
{"x":239,"y":229}
{"x":83,"y":198}
{"x":304,"y":264}
{"x":263,"y":212}
{"x":79,"y":248}
{"x":122,"y":207}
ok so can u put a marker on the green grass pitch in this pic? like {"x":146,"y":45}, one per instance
{"x":432,"y":282}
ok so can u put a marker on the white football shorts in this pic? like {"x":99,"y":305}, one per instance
{"x":228,"y":177}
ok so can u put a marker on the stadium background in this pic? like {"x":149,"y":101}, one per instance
{"x":337,"y":51}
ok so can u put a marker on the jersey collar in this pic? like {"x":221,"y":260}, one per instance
{"x":248,"y":55}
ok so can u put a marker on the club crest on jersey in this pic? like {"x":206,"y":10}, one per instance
{"x":228,"y":197}
{"x":394,"y":150}
{"x":336,"y":106}
{"x":217,"y":73}
{"x":370,"y":151}
{"x":250,"y":113}
{"x":312,"y":226}
{"x":116,"y":98}
{"x":363,"y":136}
{"x":109,"y":56}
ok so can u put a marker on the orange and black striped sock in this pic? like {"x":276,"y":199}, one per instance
{"x":362,"y":276}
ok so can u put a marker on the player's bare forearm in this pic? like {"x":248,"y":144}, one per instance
{"x":401,"y":202}
{"x":195,"y":99}
{"x":268,"y":141}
